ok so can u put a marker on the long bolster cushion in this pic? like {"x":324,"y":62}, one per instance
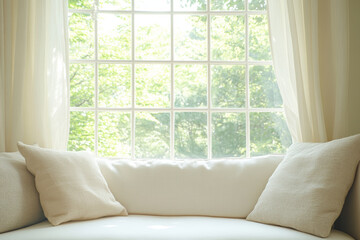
{"x":221,"y":188}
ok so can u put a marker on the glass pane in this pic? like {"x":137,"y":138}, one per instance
{"x":114,"y":32}
{"x":264,"y":91}
{"x":259,"y":5}
{"x":268,"y":133}
{"x":114,"y":85}
{"x":81,"y":36}
{"x":229,"y":135}
{"x":190,"y":135}
{"x":152,"y":37}
{"x":152,"y":135}
{"x":228,"y":38}
{"x":228,"y":86}
{"x":114,"y":134}
{"x":190,"y":37}
{"x":83,"y":4}
{"x":190,"y":85}
{"x":152,"y":5}
{"x":82,"y":131}
{"x":152,"y":85}
{"x":225,"y":5}
{"x":259,"y":45}
{"x":190,"y":5}
{"x":115,"y":4}
{"x":82,"y":85}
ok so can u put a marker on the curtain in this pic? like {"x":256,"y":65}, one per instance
{"x":310,"y":42}
{"x":33,"y":73}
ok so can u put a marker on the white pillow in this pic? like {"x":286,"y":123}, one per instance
{"x":308,"y":189}
{"x":19,"y":200}
{"x":70,"y":185}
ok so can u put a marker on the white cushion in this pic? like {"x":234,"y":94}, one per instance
{"x":224,"y":188}
{"x":137,"y":227}
{"x":19,"y":200}
{"x":349,"y":220}
{"x":308,"y":189}
{"x":70,"y":184}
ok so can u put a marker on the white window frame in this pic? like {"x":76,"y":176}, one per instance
{"x":209,"y":109}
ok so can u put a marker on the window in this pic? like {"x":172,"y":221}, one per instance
{"x":173,"y":79}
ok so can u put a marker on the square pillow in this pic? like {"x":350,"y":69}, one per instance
{"x":19,"y":200}
{"x":308,"y":189}
{"x":70,"y":185}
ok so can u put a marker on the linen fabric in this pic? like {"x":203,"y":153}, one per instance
{"x":34,"y":97}
{"x":222,"y":188}
{"x":308,"y":189}
{"x":140,"y":227}
{"x":19,"y":200}
{"x":349,"y":220}
{"x":70,"y":185}
{"x":310,"y":50}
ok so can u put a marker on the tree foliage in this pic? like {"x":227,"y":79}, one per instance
{"x":148,"y":85}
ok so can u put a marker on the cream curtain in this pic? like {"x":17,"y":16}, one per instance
{"x":33,"y":73}
{"x":310,"y":42}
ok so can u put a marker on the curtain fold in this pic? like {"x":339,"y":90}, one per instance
{"x":2,"y":77}
{"x":310,"y":42}
{"x":34,"y":87}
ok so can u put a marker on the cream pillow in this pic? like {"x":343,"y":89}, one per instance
{"x":70,"y":185}
{"x":308,"y":189}
{"x":19,"y":200}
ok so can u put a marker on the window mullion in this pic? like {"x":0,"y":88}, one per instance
{"x":209,"y":114}
{"x":132,"y":81}
{"x":247,"y":93}
{"x":96,"y":65}
{"x":172,"y":86}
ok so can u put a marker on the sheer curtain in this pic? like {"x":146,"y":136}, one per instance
{"x":310,"y":42}
{"x":33,"y":73}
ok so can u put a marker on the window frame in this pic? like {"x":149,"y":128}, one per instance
{"x":209,"y":109}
